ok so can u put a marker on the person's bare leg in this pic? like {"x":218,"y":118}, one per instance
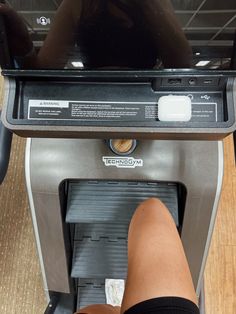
{"x":157,"y":266}
{"x":100,"y":309}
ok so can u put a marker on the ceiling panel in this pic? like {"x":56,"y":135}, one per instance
{"x":225,"y":36}
{"x":233,"y":23}
{"x":184,"y":18}
{"x":197,"y":36}
{"x":219,"y":5}
{"x":217,"y":20}
{"x":186,"y":4}
{"x":35,"y":5}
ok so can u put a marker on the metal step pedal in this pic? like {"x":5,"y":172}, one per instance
{"x":90,"y":292}
{"x":115,"y":201}
{"x":100,"y":251}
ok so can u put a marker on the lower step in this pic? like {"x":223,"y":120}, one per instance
{"x":100,"y":259}
{"x":90,"y":292}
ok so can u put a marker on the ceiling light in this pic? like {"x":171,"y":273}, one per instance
{"x":202,"y":63}
{"x":77,"y":64}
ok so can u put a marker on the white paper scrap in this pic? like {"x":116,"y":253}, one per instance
{"x":114,"y":289}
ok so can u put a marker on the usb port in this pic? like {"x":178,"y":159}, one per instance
{"x":175,"y":81}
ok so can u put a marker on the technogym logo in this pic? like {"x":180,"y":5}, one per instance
{"x":122,"y":162}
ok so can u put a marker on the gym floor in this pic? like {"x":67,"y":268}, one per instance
{"x":20,"y":279}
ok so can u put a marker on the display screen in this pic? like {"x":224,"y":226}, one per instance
{"x":117,"y":34}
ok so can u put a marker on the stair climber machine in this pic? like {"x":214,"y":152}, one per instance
{"x":117,"y":108}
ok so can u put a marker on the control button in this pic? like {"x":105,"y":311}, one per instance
{"x":174,"y":108}
{"x":122,"y":146}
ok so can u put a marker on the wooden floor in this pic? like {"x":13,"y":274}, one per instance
{"x":220,"y":274}
{"x":20,"y":279}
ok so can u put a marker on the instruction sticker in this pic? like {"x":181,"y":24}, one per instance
{"x":204,"y":112}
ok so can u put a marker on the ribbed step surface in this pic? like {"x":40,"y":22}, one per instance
{"x":105,"y":202}
{"x":100,"y":251}
{"x":95,"y":232}
{"x":90,"y":292}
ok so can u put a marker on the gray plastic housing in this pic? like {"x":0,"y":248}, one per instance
{"x":126,"y":88}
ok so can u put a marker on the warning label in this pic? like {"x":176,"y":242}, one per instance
{"x":111,"y":111}
{"x":92,"y":111}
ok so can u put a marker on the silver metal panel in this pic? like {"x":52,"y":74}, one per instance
{"x":214,"y":212}
{"x":201,"y":300}
{"x":195,"y":164}
{"x":53,"y":242}
{"x":33,"y":216}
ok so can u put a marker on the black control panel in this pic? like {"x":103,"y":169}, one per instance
{"x":114,"y":104}
{"x":119,"y":106}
